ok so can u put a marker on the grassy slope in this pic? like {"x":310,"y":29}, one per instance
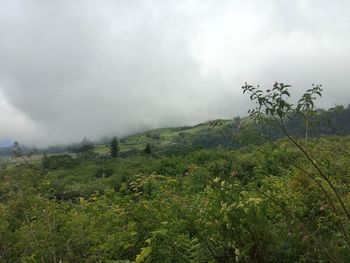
{"x":167,"y":137}
{"x":137,"y":142}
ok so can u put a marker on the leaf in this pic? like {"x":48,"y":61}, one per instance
{"x":280,"y":113}
{"x":286,"y":93}
{"x":145,"y":251}
{"x":282,"y":103}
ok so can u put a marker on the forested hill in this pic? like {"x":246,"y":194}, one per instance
{"x":221,"y":133}
{"x":216,"y":133}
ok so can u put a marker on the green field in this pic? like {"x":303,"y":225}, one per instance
{"x":164,"y":138}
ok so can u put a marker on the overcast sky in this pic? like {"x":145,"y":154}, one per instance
{"x":75,"y":68}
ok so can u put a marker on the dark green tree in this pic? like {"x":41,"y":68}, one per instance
{"x":114,"y":147}
{"x":148,"y":149}
{"x":17,"y":151}
{"x":86,"y":147}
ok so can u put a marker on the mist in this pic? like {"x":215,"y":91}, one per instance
{"x":70,"y":69}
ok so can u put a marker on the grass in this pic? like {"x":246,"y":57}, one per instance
{"x":162,"y":137}
{"x":159,"y":139}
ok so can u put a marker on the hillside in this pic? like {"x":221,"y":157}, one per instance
{"x":219,"y":191}
{"x":205,"y":205}
{"x":165,"y":139}
{"x":175,"y":131}
{"x":205,"y":135}
{"x":211,"y":134}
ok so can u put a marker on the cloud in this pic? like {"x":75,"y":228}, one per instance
{"x":15,"y":124}
{"x":84,"y":68}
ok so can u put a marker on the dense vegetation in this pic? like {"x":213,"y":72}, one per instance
{"x":250,"y":205}
{"x":284,"y":200}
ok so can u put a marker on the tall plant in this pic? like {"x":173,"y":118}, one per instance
{"x":274,"y":105}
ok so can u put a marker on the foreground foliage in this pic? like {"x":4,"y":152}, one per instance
{"x":250,"y":205}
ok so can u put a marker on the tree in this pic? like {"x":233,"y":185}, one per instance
{"x":114,"y":147}
{"x":86,"y":146}
{"x":17,"y":151}
{"x":147,"y":149}
{"x":274,"y":103}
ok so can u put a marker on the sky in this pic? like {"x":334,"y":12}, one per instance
{"x":75,"y":68}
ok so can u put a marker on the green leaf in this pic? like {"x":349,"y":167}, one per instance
{"x":280,"y":113}
{"x":286,"y":93}
{"x":145,"y":252}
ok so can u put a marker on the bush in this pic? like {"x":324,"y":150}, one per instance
{"x":62,"y":161}
{"x":104,"y":173}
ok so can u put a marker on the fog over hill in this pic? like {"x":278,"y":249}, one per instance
{"x":70,"y":69}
